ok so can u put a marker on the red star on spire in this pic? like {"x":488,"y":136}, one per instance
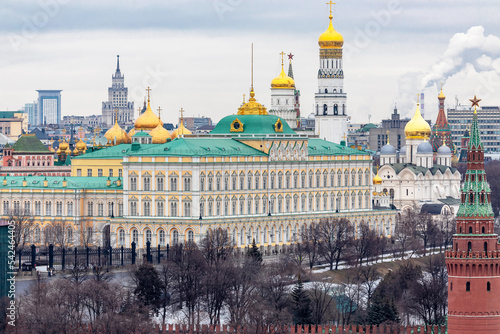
{"x":290,"y":56}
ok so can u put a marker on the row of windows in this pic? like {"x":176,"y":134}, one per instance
{"x":250,"y":181}
{"x":257,"y":205}
{"x":49,"y":208}
{"x":99,"y":172}
{"x":160,"y":183}
{"x":174,"y":238}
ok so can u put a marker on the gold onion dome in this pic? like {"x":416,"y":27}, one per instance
{"x":252,"y":107}
{"x":75,"y":151}
{"x":58,"y":152}
{"x":417,"y":127}
{"x":331,"y":39}
{"x":117,"y":132}
{"x":148,"y":120}
{"x":68,"y":151}
{"x":441,"y":95}
{"x":81,"y":146}
{"x":160,"y":135}
{"x":283,"y":81}
{"x":181,"y":130}
{"x":63,"y":146}
{"x":131,"y":132}
{"x":377,"y":179}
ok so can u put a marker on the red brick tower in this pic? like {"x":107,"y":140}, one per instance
{"x":474,"y":263}
{"x":441,"y":132}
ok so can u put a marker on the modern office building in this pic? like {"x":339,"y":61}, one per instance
{"x":392,"y":131}
{"x":32,"y":110}
{"x":49,"y":107}
{"x":460,"y":118}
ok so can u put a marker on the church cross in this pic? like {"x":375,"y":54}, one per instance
{"x":159,"y":112}
{"x":282,"y":55}
{"x":331,"y":3}
{"x":148,"y":89}
{"x":182,"y":113}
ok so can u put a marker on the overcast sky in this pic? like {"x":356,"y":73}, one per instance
{"x":196,"y":54}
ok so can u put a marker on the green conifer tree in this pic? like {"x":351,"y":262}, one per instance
{"x":302,"y":311}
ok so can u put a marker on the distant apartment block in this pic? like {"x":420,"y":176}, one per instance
{"x":193,"y":123}
{"x":13,"y":123}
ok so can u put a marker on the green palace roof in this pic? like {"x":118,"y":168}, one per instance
{"x":29,"y":143}
{"x":56,"y":182}
{"x":322,"y":147}
{"x":252,"y":124}
{"x":199,"y":147}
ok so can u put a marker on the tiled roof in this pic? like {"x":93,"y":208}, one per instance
{"x":29,"y":143}
{"x":399,"y":167}
{"x":252,"y":124}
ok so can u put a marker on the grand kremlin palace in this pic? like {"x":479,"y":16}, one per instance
{"x":252,"y":175}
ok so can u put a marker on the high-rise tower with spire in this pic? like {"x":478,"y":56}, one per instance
{"x":474,"y":262}
{"x":117,"y":99}
{"x":330,"y":99}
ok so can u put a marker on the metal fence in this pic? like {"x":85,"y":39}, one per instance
{"x":89,"y":257}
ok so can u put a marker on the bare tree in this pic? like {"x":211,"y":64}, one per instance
{"x":364,"y":244}
{"x":60,"y":233}
{"x":23,"y":226}
{"x":405,"y":232}
{"x":311,"y":242}
{"x":368,"y":277}
{"x":426,"y":229}
{"x":336,"y":236}
{"x":86,"y":235}
{"x":321,"y":300}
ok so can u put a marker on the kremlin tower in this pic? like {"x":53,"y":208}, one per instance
{"x":474,"y":262}
{"x":330,"y":99}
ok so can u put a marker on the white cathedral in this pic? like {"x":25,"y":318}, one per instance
{"x":415,"y":176}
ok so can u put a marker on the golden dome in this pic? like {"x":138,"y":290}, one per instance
{"x":116,"y":132}
{"x":441,"y":95}
{"x":68,"y":151}
{"x":81,"y":146}
{"x":63,"y":146}
{"x":58,"y":152}
{"x":283,"y":81}
{"x":377,"y":179}
{"x":331,"y":39}
{"x":131,"y":132}
{"x":148,"y":120}
{"x":75,"y":151}
{"x":417,"y":127}
{"x":160,"y":135}
{"x":181,"y":130}
{"x":252,"y":107}
{"x":52,"y":149}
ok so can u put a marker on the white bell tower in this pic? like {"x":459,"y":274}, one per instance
{"x":330,"y":99}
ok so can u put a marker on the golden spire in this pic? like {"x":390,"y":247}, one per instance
{"x":148,"y":120}
{"x":252,"y":107}
{"x":388,"y":136}
{"x":283,"y":81}
{"x":159,"y":112}
{"x":181,"y":129}
{"x":244,"y":98}
{"x":377,"y":179}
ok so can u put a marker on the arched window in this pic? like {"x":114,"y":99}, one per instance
{"x":482,"y":230}
{"x":485,"y":246}
{"x":488,"y":286}
{"x":470,"y":229}
{"x":135,"y":237}
{"x":191,"y":236}
{"x":469,"y":246}
{"x":335,"y":109}
{"x":451,"y":286}
{"x":148,"y":236}
{"x":325,"y":109}
{"x":161,"y":238}
{"x":467,"y":286}
{"x":326,"y":90}
{"x":175,"y":237}
{"x":121,"y":238}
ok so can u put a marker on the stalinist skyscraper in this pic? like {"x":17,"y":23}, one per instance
{"x":330,"y":98}
{"x":117,"y":101}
